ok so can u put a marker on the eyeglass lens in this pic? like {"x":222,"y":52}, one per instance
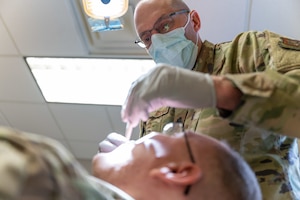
{"x":162,"y":25}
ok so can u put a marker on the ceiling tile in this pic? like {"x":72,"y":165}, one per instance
{"x":7,"y":46}
{"x":34,"y":118}
{"x":82,"y":122}
{"x":42,"y":27}
{"x":114,"y":114}
{"x":16,"y":82}
{"x":84,"y":150}
{"x":3,"y":121}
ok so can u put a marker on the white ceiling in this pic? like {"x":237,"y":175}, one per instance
{"x":56,"y":28}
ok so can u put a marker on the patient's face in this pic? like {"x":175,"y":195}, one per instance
{"x":132,"y":165}
{"x":128,"y":166}
{"x":132,"y":161}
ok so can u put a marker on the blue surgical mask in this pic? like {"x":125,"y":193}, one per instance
{"x":174,"y":48}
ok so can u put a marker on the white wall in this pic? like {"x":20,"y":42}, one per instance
{"x":223,"y":20}
{"x":281,"y":16}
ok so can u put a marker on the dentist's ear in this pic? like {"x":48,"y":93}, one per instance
{"x":179,"y":174}
{"x":195,"y":18}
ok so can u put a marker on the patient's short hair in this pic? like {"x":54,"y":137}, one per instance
{"x":237,"y":176}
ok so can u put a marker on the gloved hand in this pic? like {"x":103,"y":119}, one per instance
{"x":167,"y":86}
{"x":112,"y":141}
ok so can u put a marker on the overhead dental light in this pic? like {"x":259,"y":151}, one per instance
{"x":105,"y":15}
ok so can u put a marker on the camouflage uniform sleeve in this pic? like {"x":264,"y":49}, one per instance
{"x":271,"y":99}
{"x":36,"y":167}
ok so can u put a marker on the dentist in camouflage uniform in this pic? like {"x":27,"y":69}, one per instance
{"x":245,"y":92}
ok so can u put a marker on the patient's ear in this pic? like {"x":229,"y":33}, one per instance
{"x":178,"y":173}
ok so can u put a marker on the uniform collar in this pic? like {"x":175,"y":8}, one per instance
{"x":205,"y":59}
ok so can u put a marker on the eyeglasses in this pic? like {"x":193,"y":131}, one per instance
{"x":163,"y":25}
{"x":171,"y":129}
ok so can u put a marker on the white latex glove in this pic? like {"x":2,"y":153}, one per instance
{"x":167,"y":86}
{"x":112,"y":141}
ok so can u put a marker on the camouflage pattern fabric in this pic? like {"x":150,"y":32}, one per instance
{"x":266,"y":68}
{"x":33,"y":167}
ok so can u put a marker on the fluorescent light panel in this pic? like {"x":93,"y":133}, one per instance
{"x":87,"y":80}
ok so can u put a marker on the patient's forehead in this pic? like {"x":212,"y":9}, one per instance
{"x":200,"y":142}
{"x":203,"y":142}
